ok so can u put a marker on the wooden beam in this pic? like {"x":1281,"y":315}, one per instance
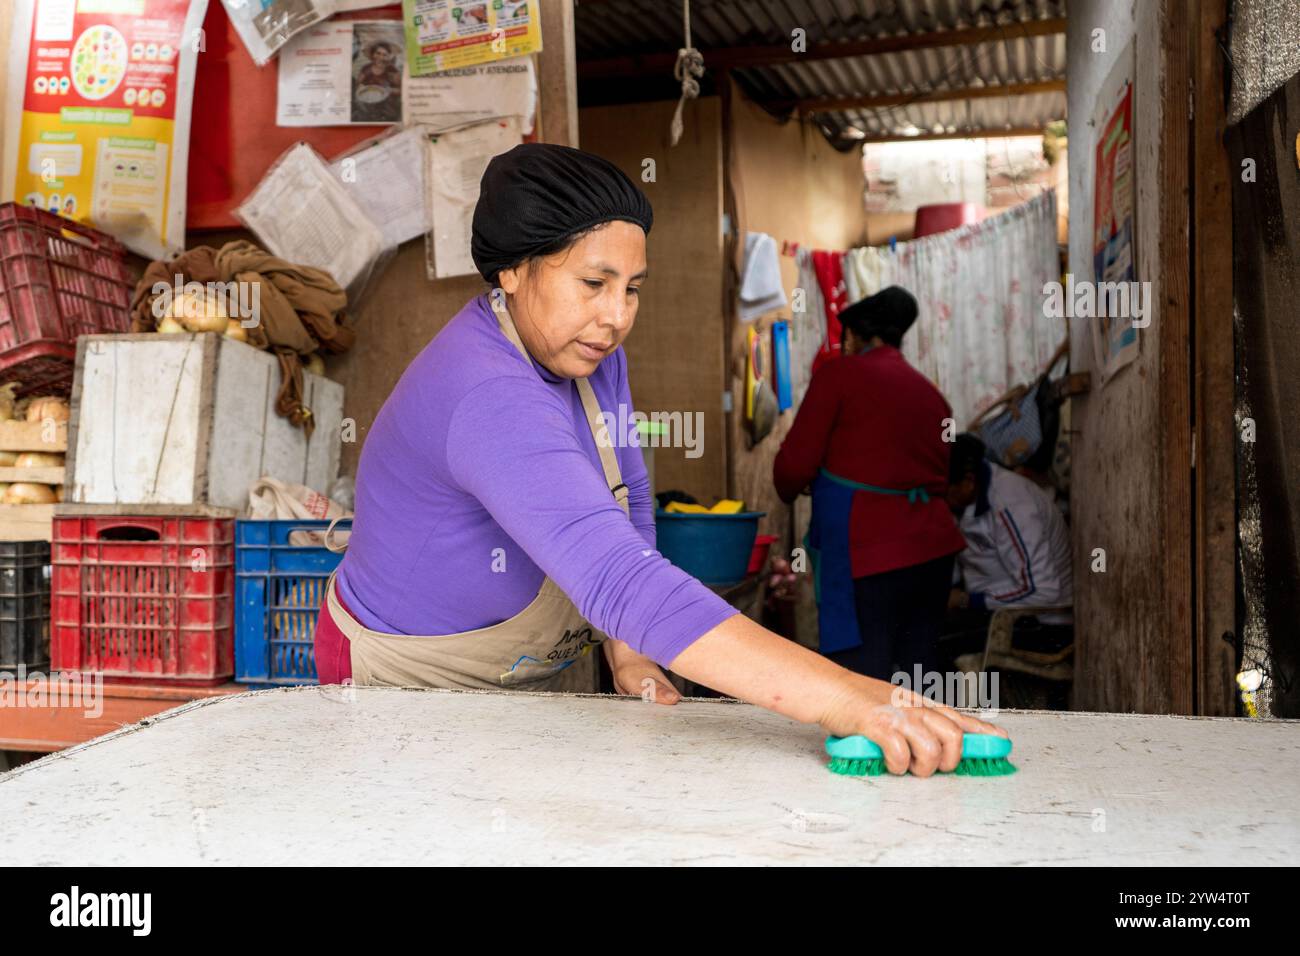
{"x":557,"y":84}
{"x":960,"y":134}
{"x":826,"y":104}
{"x":1214,"y":369}
{"x":734,"y":57}
{"x":1172,"y":338}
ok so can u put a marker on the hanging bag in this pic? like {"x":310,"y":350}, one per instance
{"x":1013,"y":428}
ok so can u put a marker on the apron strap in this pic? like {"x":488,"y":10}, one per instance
{"x":604,"y":447}
{"x":914,"y":495}
{"x":329,"y":536}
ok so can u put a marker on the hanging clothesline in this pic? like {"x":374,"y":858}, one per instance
{"x":981,"y":328}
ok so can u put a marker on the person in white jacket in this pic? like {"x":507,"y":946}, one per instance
{"x":1017,"y":543}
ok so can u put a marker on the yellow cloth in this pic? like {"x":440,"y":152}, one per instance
{"x":726,"y":506}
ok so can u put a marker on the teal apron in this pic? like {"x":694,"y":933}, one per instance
{"x":827,"y":543}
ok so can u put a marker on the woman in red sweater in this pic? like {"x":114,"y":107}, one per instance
{"x":869,"y":439}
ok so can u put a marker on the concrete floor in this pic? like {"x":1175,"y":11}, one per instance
{"x":381,"y":776}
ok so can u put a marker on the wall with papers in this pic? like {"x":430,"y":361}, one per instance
{"x":234,"y":138}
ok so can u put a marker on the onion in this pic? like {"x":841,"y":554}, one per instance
{"x":58,"y":492}
{"x":7,"y":458}
{"x":236,"y":331}
{"x":314,"y":364}
{"x":200,"y":313}
{"x":39,"y":459}
{"x":48,"y":407}
{"x":28,"y":493}
{"x":7,"y":400}
{"x":169,"y":326}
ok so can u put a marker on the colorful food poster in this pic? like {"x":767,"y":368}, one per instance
{"x":342,"y":73}
{"x":1114,"y":254}
{"x":445,"y":35}
{"x":97,"y":119}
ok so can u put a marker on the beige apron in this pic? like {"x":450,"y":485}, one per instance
{"x":548,"y":646}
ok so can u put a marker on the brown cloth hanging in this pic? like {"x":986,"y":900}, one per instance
{"x":301,"y":309}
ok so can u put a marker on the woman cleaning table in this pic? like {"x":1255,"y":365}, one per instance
{"x":503,"y":536}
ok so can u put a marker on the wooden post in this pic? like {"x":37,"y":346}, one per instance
{"x":1213,"y":369}
{"x":557,"y":78}
{"x":1173,"y":339}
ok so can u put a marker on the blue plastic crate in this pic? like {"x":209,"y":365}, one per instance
{"x":279,"y":589}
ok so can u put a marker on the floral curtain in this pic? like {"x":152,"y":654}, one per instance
{"x":981,"y":328}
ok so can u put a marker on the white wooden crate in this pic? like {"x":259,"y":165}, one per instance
{"x":190,"y":419}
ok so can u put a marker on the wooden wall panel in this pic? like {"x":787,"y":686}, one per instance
{"x":1130,"y":477}
{"x":675,"y":357}
{"x":791,"y":184}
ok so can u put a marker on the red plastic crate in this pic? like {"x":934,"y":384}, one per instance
{"x":144,"y":597}
{"x":58,"y":279}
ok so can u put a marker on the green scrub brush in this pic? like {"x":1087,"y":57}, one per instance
{"x":982,"y":755}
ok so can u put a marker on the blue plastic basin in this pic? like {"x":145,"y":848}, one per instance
{"x":713,"y":548}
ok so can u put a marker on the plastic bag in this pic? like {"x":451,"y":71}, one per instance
{"x":266,"y":26}
{"x":303,"y":214}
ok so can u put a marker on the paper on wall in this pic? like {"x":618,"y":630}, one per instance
{"x":454,"y":98}
{"x":385,"y":175}
{"x":445,"y":35}
{"x":267,"y":25}
{"x":97,"y":115}
{"x":341,"y":73}
{"x":303,"y":214}
{"x":456,"y":163}
{"x":1115,"y":338}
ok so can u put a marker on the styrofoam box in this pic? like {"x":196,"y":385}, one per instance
{"x":190,"y":419}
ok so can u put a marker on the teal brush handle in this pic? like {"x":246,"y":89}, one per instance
{"x":976,"y":746}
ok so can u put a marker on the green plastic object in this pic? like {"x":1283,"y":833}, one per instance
{"x":982,"y":755}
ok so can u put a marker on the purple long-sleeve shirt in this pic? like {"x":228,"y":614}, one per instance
{"x":480,"y":477}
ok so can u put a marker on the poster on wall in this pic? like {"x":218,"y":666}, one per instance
{"x":443,"y":101}
{"x":1113,"y":236}
{"x":97,"y":116}
{"x":455,"y":164}
{"x":342,"y":73}
{"x":449,"y":34}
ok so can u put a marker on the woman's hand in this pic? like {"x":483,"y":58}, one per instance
{"x":637,"y":676}
{"x":916,"y":735}
{"x":744,"y":660}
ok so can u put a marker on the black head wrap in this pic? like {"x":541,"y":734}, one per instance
{"x":538,"y":194}
{"x":889,"y":314}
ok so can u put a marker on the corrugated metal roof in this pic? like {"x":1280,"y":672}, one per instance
{"x":608,"y":29}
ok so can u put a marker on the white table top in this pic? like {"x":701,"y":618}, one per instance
{"x":385,"y":776}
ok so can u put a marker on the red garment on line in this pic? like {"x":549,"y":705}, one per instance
{"x":829,"y":267}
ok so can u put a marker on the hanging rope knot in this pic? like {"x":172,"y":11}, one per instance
{"x":688,"y":70}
